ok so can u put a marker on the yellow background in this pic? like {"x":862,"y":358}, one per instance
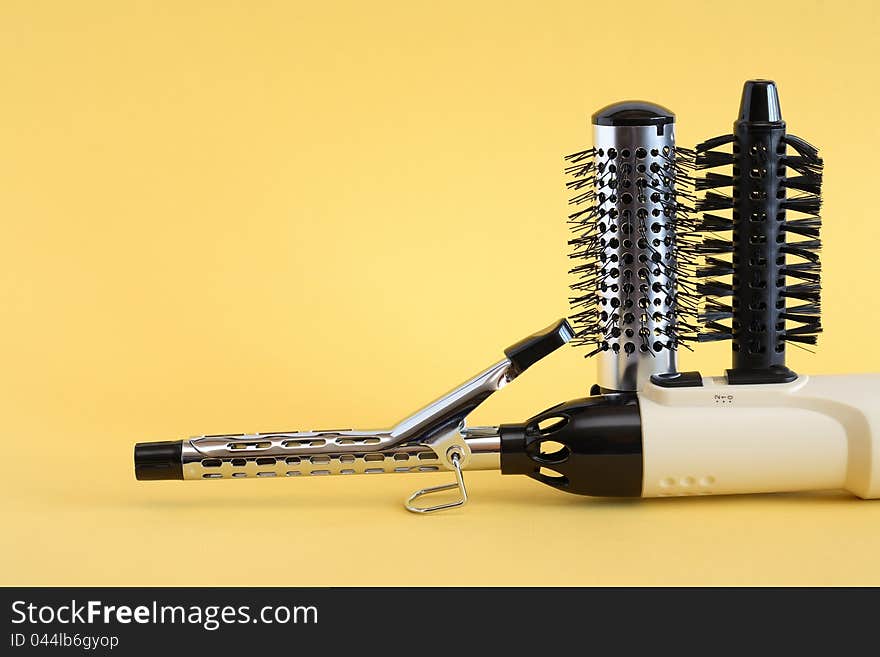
{"x":253,"y":216}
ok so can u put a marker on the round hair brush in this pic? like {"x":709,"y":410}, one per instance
{"x":761,"y":252}
{"x":632,"y":199}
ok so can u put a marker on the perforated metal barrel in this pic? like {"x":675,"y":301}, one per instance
{"x":636,"y":213}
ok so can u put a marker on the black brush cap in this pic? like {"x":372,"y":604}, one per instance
{"x":633,"y":112}
{"x":157,"y":461}
{"x":760,"y":102}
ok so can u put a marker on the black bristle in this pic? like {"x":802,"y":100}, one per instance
{"x":587,"y":154}
{"x":808,"y":271}
{"x":715,"y":312}
{"x":806,"y":226}
{"x":808,"y":204}
{"x":803,"y":291}
{"x":713,"y":332}
{"x":715,"y":142}
{"x":803,"y":339}
{"x":712,"y":159}
{"x":579,"y":183}
{"x":809,"y":184}
{"x":803,"y":165}
{"x":713,"y":202}
{"x":715,"y":267}
{"x":713,"y":181}
{"x":714,"y":223}
{"x":806,"y":249}
{"x":714,"y":246}
{"x":803,"y":148}
{"x":714,"y":289}
{"x":804,"y":318}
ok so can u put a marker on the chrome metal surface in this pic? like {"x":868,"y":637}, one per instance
{"x":313,"y":453}
{"x":454,"y":458}
{"x":449,"y":411}
{"x":418,"y":443}
{"x":636,"y":194}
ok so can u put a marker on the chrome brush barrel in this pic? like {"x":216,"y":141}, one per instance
{"x":628,"y":307}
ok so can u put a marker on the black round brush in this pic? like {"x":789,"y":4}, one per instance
{"x":768,"y":289}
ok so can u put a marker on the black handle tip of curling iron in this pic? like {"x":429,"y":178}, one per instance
{"x":158,"y":461}
{"x":530,"y":350}
{"x":760,"y":102}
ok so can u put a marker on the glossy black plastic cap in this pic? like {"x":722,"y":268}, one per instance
{"x":760,"y":102}
{"x":633,"y":113}
{"x":158,"y":461}
{"x":530,"y":350}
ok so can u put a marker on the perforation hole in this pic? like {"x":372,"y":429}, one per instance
{"x":551,"y":424}
{"x":310,"y":442}
{"x":263,"y":444}
{"x":552,"y":477}
{"x":551,"y":451}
